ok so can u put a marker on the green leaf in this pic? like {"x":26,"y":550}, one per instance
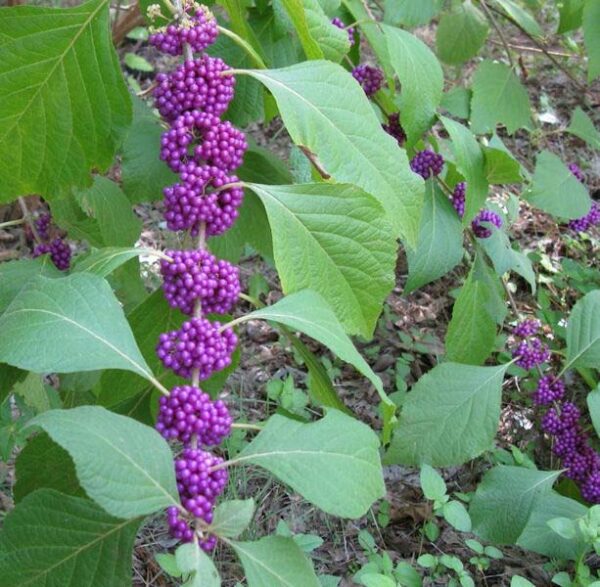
{"x":583,"y":127}
{"x":74,"y":323}
{"x":333,"y":41}
{"x":521,"y":16}
{"x":593,"y":402}
{"x":124,"y":466}
{"x":461,"y":33}
{"x":9,"y":375}
{"x":498,"y":97}
{"x":308,"y":312}
{"x":583,"y":332}
{"x":324,"y":108}
{"x":440,"y":245}
{"x":556,"y":190}
{"x":137,"y":62}
{"x":14,"y":275}
{"x":539,"y":537}
{"x":103,"y":262}
{"x":376,"y":580}
{"x":501,"y":167}
{"x":472,"y":330}
{"x":275,"y":561}
{"x":296,"y":11}
{"x":143,"y":176}
{"x":470,"y":161}
{"x":517,"y":581}
{"x":505,"y":499}
{"x":432,"y":483}
{"x":591,"y":35}
{"x":333,"y":463}
{"x":571,"y":15}
{"x":457,"y":516}
{"x":421,"y":79}
{"x":33,"y":392}
{"x":334,"y":239}
{"x":48,"y":144}
{"x":232,"y":517}
{"x":56,"y":539}
{"x":43,"y":463}
{"x":194,"y":561}
{"x":457,"y":102}
{"x":449,"y":417}
{"x":409,"y":13}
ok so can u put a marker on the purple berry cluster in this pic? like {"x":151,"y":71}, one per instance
{"x":561,"y":419}
{"x":370,"y":78}
{"x":459,"y":198}
{"x":199,"y":31}
{"x":576,"y":171}
{"x":592,"y":218}
{"x":58,"y":249}
{"x":204,"y":151}
{"x":394,"y":128}
{"x":427,"y":163}
{"x":481,"y":230}
{"x":340,"y":25}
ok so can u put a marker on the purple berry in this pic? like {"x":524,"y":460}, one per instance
{"x":42,"y":224}
{"x":340,"y":25}
{"x":549,"y":390}
{"x":370,"y":78}
{"x":198,"y":275}
{"x":198,"y":344}
{"x":530,"y":353}
{"x":60,"y":253}
{"x":427,"y":163}
{"x":394,"y":128}
{"x":576,"y":171}
{"x":527,"y":327}
{"x":459,"y":198}
{"x":479,"y":229}
{"x":592,"y":218}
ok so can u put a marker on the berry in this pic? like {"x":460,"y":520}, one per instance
{"x":482,"y":231}
{"x":427,"y":163}
{"x":527,"y":327}
{"x":340,"y":25}
{"x":370,"y":78}
{"x":458,"y":198}
{"x":199,"y":31}
{"x":187,"y":411}
{"x":592,"y":218}
{"x":42,"y":224}
{"x":198,"y":275}
{"x":194,"y":85}
{"x":200,"y":198}
{"x":576,"y":171}
{"x":549,"y":390}
{"x":530,"y":353}
{"x":591,"y":487}
{"x":394,"y":128}
{"x":198,"y":344}
{"x":60,"y":253}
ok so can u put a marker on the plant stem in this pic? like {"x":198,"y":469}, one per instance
{"x":244,"y":45}
{"x":497,"y":28}
{"x":159,"y":386}
{"x":200,"y":245}
{"x":244,"y":426}
{"x":12,"y":223}
{"x":27,"y":218}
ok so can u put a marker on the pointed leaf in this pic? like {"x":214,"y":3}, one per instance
{"x":521,"y":16}
{"x":55,"y":539}
{"x":275,"y":561}
{"x":334,"y":239}
{"x":305,"y":455}
{"x":325,"y":110}
{"x":232,"y":517}
{"x":124,"y":466}
{"x":46,"y":143}
{"x":583,"y":332}
{"x":103,"y":262}
{"x":193,"y":561}
{"x":74,"y":323}
{"x":449,"y":417}
{"x":583,"y":127}
{"x":409,"y":13}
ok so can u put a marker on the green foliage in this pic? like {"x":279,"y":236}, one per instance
{"x":197,"y":566}
{"x":56,"y":539}
{"x":591,"y":33}
{"x":231,"y":518}
{"x":583,"y":127}
{"x":583,"y":332}
{"x":103,"y":262}
{"x":49,"y":144}
{"x":409,"y":13}
{"x":322,"y":107}
{"x":450,"y":416}
{"x":124,"y":466}
{"x":593,"y":402}
{"x":303,"y":456}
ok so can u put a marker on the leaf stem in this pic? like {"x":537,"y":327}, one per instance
{"x":244,"y":45}
{"x":245,"y":426}
{"x":12,"y":223}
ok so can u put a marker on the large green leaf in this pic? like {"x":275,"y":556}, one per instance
{"x":104,"y":261}
{"x":440,"y":245}
{"x":521,"y":16}
{"x":583,"y":332}
{"x":74,"y":324}
{"x":275,"y":561}
{"x":308,"y":312}
{"x":449,"y":417}
{"x":470,"y":161}
{"x":593,"y":402}
{"x":232,"y":517}
{"x":556,"y":190}
{"x":472,"y":329}
{"x":334,"y":239}
{"x":333,"y":463}
{"x":571,"y":14}
{"x":326,"y":111}
{"x":498,"y":97}
{"x":461,"y":33}
{"x":505,"y":500}
{"x":421,"y":79}
{"x":197,"y":566}
{"x":333,"y":41}
{"x":298,"y":16}
{"x":124,"y":466}
{"x":583,"y":126}
{"x":56,"y":539}
{"x":64,"y":104}
{"x":410,"y":13}
{"x":591,"y":34}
